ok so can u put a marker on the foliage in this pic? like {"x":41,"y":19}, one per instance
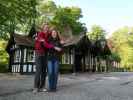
{"x":3,"y":57}
{"x":46,"y":11}
{"x":96,"y":33}
{"x":115,"y":57}
{"x":19,"y":16}
{"x":14,"y":14}
{"x":122,"y":45}
{"x":65,"y":68}
{"x":67,"y":18}
{"x":3,"y":67}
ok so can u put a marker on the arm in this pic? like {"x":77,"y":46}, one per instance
{"x":42,"y":39}
{"x":58,"y":47}
{"x":48,"y":45}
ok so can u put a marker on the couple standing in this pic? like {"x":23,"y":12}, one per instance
{"x":47,"y":49}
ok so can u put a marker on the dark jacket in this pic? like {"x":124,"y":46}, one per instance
{"x":52,"y":53}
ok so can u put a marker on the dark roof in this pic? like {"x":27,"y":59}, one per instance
{"x":73,"y":40}
{"x":23,"y":40}
{"x":28,"y":41}
{"x":20,"y":40}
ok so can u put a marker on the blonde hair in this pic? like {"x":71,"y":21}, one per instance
{"x":42,"y":26}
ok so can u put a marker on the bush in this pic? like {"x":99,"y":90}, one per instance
{"x":3,"y":67}
{"x":65,"y":68}
{"x":3,"y":56}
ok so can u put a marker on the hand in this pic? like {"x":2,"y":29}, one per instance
{"x":62,"y":42}
{"x":57,"y":48}
{"x":41,"y":40}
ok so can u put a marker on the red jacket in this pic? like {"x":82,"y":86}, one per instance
{"x":42,"y":38}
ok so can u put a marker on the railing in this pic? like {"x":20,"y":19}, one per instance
{"x":92,"y":64}
{"x":89,"y":64}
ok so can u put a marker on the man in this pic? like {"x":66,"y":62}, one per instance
{"x":41,"y":46}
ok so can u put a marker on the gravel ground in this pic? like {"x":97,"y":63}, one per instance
{"x":106,"y":86}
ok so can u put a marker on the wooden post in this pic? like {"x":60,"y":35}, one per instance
{"x":98,"y":66}
{"x":107,"y":65}
{"x":22,"y":60}
{"x":88,"y":62}
{"x":33,"y":61}
{"x":94,"y":64}
{"x":70,"y":56}
{"x":11,"y":60}
{"x":26,"y":59}
{"x":74,"y":66}
{"x":84,"y":66}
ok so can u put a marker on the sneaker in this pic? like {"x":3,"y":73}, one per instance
{"x":52,"y":90}
{"x":43,"y":90}
{"x":74,"y":74}
{"x":35,"y":90}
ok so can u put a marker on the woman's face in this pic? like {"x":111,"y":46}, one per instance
{"x":45,"y":28}
{"x":54,"y":34}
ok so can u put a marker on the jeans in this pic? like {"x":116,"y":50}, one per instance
{"x":40,"y":75}
{"x":53,"y":67}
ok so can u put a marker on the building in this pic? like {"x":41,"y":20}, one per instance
{"x":21,"y":54}
{"x":78,"y":54}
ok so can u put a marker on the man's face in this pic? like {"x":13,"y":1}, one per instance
{"x":45,"y":28}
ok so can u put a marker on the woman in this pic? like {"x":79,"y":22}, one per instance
{"x":53,"y":61}
{"x":41,"y":46}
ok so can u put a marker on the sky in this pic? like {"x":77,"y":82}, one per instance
{"x":109,"y":14}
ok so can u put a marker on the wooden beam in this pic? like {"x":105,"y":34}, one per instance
{"x":22,"y":60}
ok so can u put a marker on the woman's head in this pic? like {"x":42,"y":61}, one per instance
{"x":45,"y":27}
{"x":55,"y":34}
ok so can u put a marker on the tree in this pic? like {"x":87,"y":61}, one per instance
{"x":14,"y":14}
{"x":3,"y":56}
{"x":46,"y":11}
{"x":20,"y":15}
{"x":68,"y":18}
{"x":122,"y":45}
{"x":96,"y":33}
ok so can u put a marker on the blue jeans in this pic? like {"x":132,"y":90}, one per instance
{"x":53,"y":67}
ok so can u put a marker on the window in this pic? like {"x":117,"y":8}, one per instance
{"x":17,"y":56}
{"x":30,"y":56}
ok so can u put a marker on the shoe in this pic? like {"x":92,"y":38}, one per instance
{"x":35,"y":90}
{"x":43,"y":90}
{"x":52,"y":90}
{"x":74,"y":74}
